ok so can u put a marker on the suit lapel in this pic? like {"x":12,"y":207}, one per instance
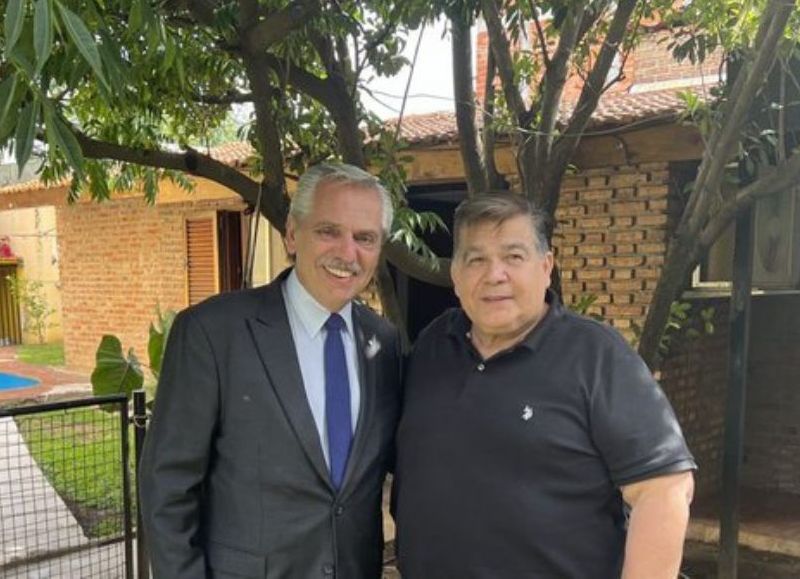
{"x":273,"y":338}
{"x":366,"y":370}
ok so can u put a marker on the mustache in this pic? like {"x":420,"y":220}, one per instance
{"x":349,"y":267}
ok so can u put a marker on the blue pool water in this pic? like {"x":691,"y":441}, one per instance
{"x":12,"y":381}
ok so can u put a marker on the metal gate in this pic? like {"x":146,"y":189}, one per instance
{"x":65,"y":490}
{"x":10,"y":328}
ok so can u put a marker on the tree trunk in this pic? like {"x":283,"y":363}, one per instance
{"x":681,"y":257}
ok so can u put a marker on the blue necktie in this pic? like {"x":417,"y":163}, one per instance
{"x":337,"y":400}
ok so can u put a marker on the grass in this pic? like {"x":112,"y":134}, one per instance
{"x":79,"y":452}
{"x":42,"y":354}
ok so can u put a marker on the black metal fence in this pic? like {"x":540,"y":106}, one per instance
{"x":65,"y":490}
{"x":67,"y":498}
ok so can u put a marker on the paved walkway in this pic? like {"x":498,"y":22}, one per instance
{"x":33,"y":518}
{"x":53,"y":382}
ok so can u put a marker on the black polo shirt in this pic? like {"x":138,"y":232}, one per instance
{"x":510,"y":467}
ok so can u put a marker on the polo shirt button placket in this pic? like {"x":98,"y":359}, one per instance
{"x":481,"y":367}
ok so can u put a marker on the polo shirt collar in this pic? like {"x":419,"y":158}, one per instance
{"x":310,"y":312}
{"x":460,"y":325}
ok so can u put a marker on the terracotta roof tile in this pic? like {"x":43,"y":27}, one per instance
{"x":32,"y":185}
{"x":614,"y":110}
{"x":236,"y":153}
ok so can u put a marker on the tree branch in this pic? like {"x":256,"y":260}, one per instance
{"x":417,"y":266}
{"x":264,"y":32}
{"x":488,"y":131}
{"x":555,"y":77}
{"x":778,"y":179}
{"x":565,"y":146}
{"x":735,"y":111}
{"x":203,"y":11}
{"x":477,"y":179}
{"x":540,"y":35}
{"x":268,"y":136}
{"x":501,"y":48}
{"x":228,"y":98}
{"x":299,"y":78}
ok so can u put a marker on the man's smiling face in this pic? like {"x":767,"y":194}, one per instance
{"x":337,"y":245}
{"x":500,"y":276}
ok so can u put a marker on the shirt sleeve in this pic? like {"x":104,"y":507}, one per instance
{"x":632,"y":422}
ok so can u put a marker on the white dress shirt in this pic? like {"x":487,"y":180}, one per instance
{"x":307,"y":321}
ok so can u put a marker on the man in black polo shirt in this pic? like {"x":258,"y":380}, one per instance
{"x":534,"y":442}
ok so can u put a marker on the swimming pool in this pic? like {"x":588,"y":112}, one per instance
{"x":12,"y":382}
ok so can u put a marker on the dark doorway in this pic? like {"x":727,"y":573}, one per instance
{"x":229,"y":239}
{"x":422,"y":302}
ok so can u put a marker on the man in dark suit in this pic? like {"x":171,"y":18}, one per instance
{"x":276,"y":408}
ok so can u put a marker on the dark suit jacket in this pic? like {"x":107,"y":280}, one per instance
{"x":233,"y":481}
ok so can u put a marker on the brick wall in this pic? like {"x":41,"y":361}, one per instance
{"x":610,"y":243}
{"x":694,"y":378}
{"x":772,"y":420}
{"x":652,"y":63}
{"x":119,"y":260}
{"x":610,"y":239}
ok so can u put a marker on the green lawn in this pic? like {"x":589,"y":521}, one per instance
{"x":44,"y":354}
{"x":79,"y":452}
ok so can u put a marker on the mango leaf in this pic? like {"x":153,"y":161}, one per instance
{"x":61,"y":136}
{"x":135,"y":16}
{"x":109,"y":52}
{"x":26,"y":128}
{"x":83,"y":39}
{"x":24,"y":54}
{"x":7,"y":89}
{"x":15,"y":16}
{"x":114,"y":372}
{"x":42,"y":32}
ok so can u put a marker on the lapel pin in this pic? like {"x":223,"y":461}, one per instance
{"x":527,"y":413}
{"x":373,"y":347}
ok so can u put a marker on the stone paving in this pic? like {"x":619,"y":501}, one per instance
{"x":34,"y":520}
{"x":33,"y":517}
{"x":53,"y":382}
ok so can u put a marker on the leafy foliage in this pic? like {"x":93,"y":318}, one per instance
{"x":116,"y":372}
{"x":36,"y":310}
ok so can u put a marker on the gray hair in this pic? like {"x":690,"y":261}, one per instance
{"x":309,"y":183}
{"x":497,"y":208}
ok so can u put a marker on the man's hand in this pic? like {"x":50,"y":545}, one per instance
{"x":659,"y":516}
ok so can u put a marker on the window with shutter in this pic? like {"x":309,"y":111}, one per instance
{"x":201,"y":258}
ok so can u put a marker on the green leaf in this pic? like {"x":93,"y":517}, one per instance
{"x":23,"y":54}
{"x":15,"y":16}
{"x":61,"y":136}
{"x":83,"y":39}
{"x":158,"y":340}
{"x":26,"y":129}
{"x":116,"y":73}
{"x":135,"y":16}
{"x":7,"y":89}
{"x":42,"y":32}
{"x":114,"y":372}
